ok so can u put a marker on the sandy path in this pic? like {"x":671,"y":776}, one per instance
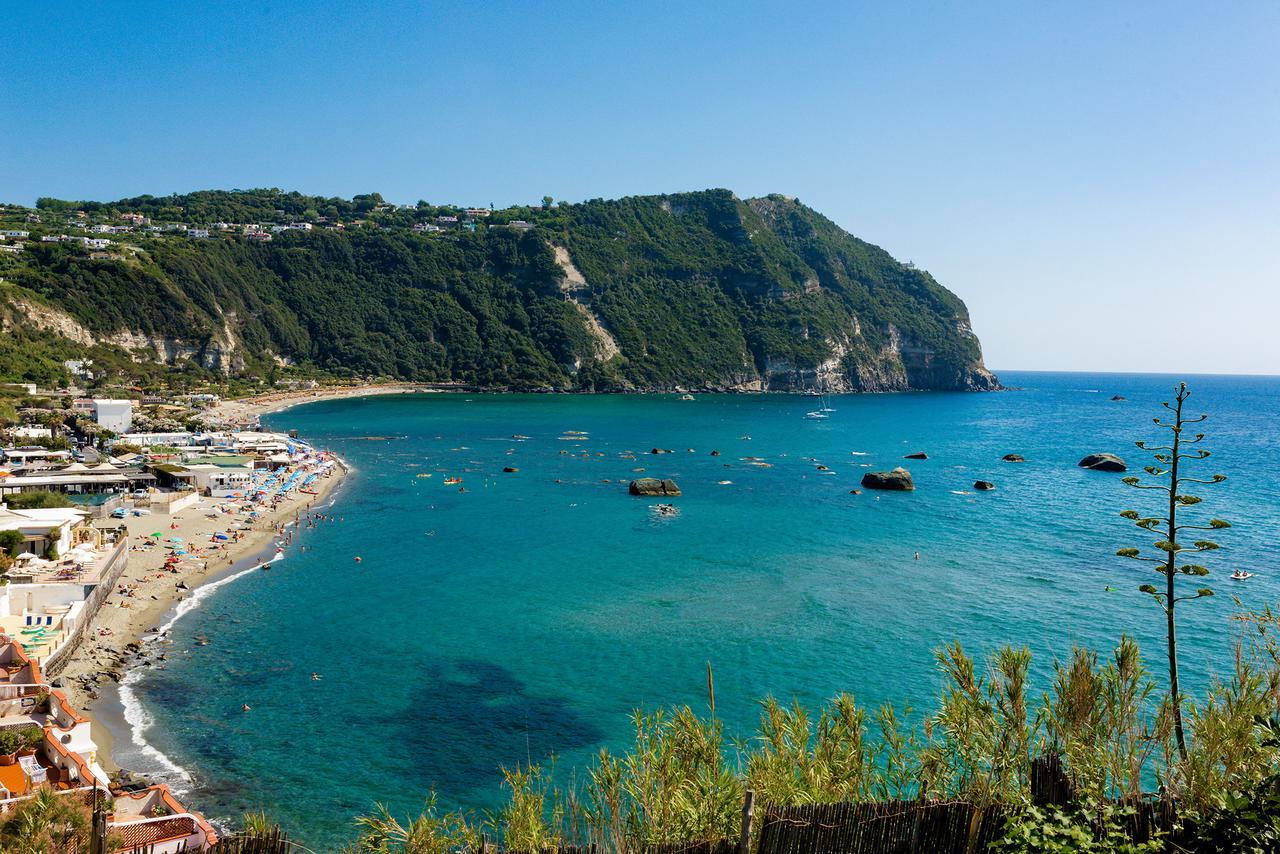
{"x":152,"y":591}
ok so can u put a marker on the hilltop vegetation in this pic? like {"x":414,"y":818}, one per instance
{"x":699,"y":290}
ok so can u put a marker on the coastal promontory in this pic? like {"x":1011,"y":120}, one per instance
{"x":699,"y":290}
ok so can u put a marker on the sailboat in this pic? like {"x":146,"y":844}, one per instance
{"x":826,"y":405}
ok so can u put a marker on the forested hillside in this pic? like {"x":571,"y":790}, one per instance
{"x":697,"y":290}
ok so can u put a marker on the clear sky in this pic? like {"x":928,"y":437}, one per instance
{"x":1086,"y":176}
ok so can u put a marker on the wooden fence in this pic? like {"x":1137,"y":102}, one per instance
{"x":890,"y":827}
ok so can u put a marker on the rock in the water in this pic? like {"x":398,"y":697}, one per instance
{"x":1103,"y":462}
{"x":1013,"y":458}
{"x":983,"y":485}
{"x":1119,"y":397}
{"x":654,"y":486}
{"x":510,"y":469}
{"x":898,"y":479}
{"x":918,"y":455}
{"x":660,"y":451}
{"x":715,"y":453}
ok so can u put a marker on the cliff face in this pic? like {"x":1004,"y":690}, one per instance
{"x":695,"y":290}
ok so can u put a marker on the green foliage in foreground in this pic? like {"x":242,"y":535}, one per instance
{"x":684,"y":779}
{"x":1168,"y":480}
{"x":697,"y":289}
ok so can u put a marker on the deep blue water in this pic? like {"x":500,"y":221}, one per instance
{"x":531,"y":614}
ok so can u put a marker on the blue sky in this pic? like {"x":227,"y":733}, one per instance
{"x":1083,"y":175}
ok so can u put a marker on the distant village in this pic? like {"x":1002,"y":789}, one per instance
{"x":89,"y":232}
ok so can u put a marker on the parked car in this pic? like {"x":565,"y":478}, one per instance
{"x":119,"y":513}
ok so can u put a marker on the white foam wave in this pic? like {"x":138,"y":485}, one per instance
{"x":139,"y":721}
{"x":203,"y":592}
{"x":861,"y":453}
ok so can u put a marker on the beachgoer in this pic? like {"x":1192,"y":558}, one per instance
{"x":917,"y":555}
{"x":246,"y":707}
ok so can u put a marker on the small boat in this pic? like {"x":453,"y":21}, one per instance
{"x":1241,"y":576}
{"x":816,"y":415}
{"x":686,"y":397}
{"x":450,"y":481}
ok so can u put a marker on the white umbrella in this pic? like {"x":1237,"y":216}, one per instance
{"x":25,"y":556}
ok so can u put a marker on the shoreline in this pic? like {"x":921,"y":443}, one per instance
{"x":99,"y":666}
{"x":243,"y":411}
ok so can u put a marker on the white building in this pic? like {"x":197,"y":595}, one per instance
{"x":197,"y":232}
{"x":31,"y":431}
{"x":42,"y":528}
{"x":114,"y":415}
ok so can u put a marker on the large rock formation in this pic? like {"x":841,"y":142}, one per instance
{"x":652,"y":486}
{"x":1103,"y":462}
{"x":899,"y":479}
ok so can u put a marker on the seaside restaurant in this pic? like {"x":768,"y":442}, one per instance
{"x":77,"y":479}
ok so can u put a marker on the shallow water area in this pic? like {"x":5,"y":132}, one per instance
{"x":514,"y":615}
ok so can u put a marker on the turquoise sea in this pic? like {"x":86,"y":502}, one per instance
{"x":529,"y":615}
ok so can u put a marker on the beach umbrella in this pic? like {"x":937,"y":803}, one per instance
{"x":26,"y":556}
{"x":175,"y":539}
{"x":220,"y":536}
{"x":157,"y":534}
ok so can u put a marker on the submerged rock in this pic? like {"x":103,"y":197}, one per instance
{"x":1103,"y":462}
{"x":983,"y":485}
{"x":918,"y":455}
{"x":653,"y":486}
{"x":1013,"y":458}
{"x":898,"y":479}
{"x":1119,"y":397}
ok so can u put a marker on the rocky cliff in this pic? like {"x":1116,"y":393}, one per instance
{"x":693,"y":290}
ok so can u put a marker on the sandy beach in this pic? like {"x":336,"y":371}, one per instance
{"x":247,"y":410}
{"x":148,"y":590}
